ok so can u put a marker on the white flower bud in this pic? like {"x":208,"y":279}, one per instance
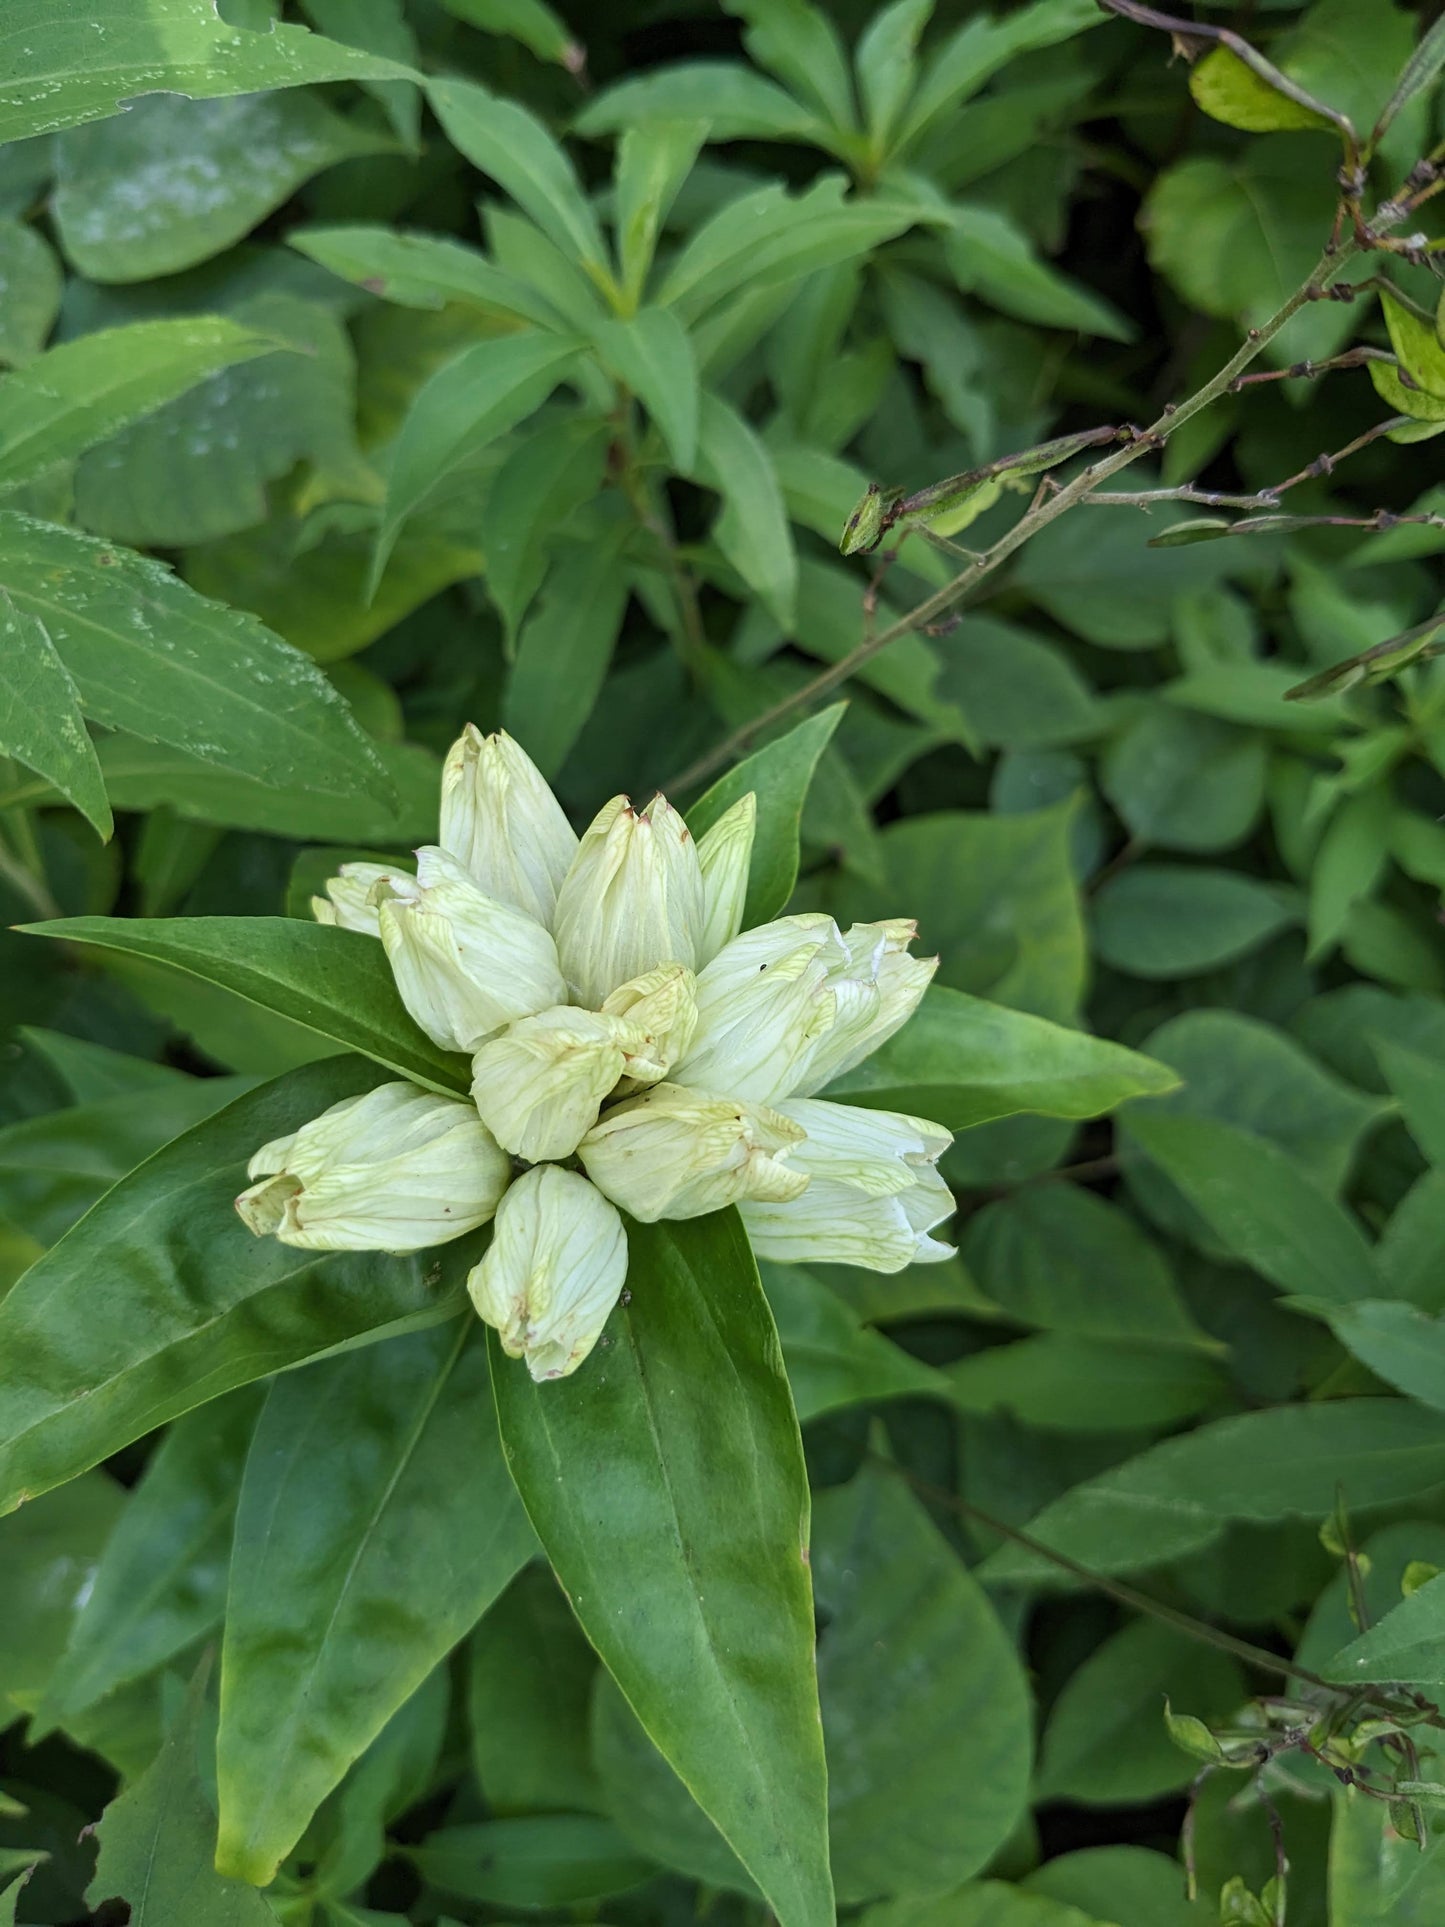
{"x":662,"y":1004}
{"x":724,"y":855}
{"x":878,"y":990}
{"x":674,"y":1153}
{"x":395,"y":1170}
{"x":763,"y":1003}
{"x":503,"y":824}
{"x":554,"y":1270}
{"x":540,"y":1085}
{"x":873,"y":1196}
{"x":633,"y":899}
{"x":348,"y":897}
{"x":465,"y":965}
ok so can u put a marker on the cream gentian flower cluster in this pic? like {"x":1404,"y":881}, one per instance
{"x":631,"y":1052}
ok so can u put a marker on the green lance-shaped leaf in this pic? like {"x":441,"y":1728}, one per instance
{"x":530,"y":1676}
{"x":421,"y":271}
{"x":1399,"y":1343}
{"x":10,"y":1899}
{"x":989,"y":253}
{"x":752,"y":531}
{"x":55,"y":77}
{"x":40,"y":721}
{"x":161,"y":1582}
{"x":150,"y":656}
{"x":467,"y":404}
{"x":833,"y":1358}
{"x":960,"y":67}
{"x":728,"y":100}
{"x":652,"y":354}
{"x":1288,"y":1462}
{"x":926,"y":1707}
{"x":533,"y":1860}
{"x":158,"y":1840}
{"x":1269,"y":1212}
{"x":75,"y":395}
{"x":376,"y":1525}
{"x":1407,"y":1644}
{"x":803,"y":48}
{"x":565,"y":647}
{"x":925,"y":1712}
{"x":653,"y":161}
{"x":159,"y":1298}
{"x":887,"y":67}
{"x":334,"y":982}
{"x":667,"y":1484}
{"x":765,"y":236}
{"x":1419,"y":71}
{"x":535,"y":25}
{"x":964,"y":1061}
{"x":513,"y":146}
{"x":779,"y":775}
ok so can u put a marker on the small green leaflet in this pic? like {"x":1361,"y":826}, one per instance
{"x":40,"y":721}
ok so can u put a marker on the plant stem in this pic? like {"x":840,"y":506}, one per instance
{"x":1039,"y":516}
{"x":690,"y":637}
{"x":1198,"y":1629}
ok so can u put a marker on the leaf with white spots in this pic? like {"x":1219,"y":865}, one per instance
{"x":62,"y":65}
{"x":77,"y":394}
{"x":148,"y":655}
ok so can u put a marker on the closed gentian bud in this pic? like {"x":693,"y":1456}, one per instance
{"x":878,"y":990}
{"x":395,"y":1170}
{"x":554,"y":1270}
{"x":465,"y":965}
{"x":540,"y":1085}
{"x":873,"y":1195}
{"x":763,"y":1003}
{"x":348,"y":897}
{"x":725,"y":854}
{"x":633,"y":899}
{"x":503,"y":824}
{"x":662,"y":1005}
{"x":675,"y":1153}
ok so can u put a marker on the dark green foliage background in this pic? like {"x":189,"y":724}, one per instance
{"x":1174,"y":1338}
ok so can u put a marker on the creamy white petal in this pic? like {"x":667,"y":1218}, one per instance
{"x":395,"y":1170}
{"x":839,"y":1224}
{"x":465,"y":964}
{"x":662,"y":1005}
{"x":348,"y":897}
{"x":879,"y":1152}
{"x":675,"y":1153}
{"x":501,"y":821}
{"x":554,"y":1270}
{"x":873,"y":1195}
{"x":763,"y":1003}
{"x":740,"y":961}
{"x":540,"y":1085}
{"x":632,"y":900}
{"x":878,"y":991}
{"x":724,"y":855}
